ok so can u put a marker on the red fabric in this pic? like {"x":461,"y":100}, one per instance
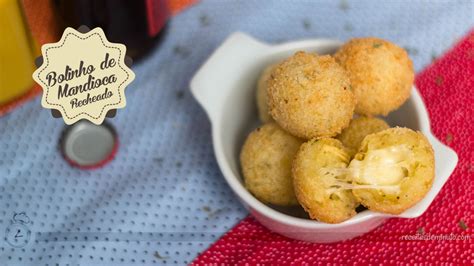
{"x":447,"y":88}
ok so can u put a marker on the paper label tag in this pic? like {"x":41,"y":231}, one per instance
{"x":83,"y":76}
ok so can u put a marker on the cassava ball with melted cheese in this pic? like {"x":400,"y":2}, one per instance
{"x":266,"y":159}
{"x":309,"y":96}
{"x":360,"y":127}
{"x":381,"y":74}
{"x":393,"y":170}
{"x":262,"y":104}
{"x":316,"y":174}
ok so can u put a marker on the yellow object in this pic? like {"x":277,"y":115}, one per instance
{"x":16,"y":53}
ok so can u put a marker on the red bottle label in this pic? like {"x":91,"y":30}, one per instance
{"x":157,"y":13}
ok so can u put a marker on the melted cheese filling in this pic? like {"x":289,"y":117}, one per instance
{"x":341,"y":155}
{"x":381,"y":169}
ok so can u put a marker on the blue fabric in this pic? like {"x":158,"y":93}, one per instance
{"x":163,"y":198}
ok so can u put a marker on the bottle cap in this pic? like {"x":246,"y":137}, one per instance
{"x":87,"y":146}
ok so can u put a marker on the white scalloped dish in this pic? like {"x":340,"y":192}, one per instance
{"x":225,"y":87}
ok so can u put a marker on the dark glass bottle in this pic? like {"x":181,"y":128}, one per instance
{"x":139,"y":24}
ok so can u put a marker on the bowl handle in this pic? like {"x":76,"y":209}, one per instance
{"x":238,"y":51}
{"x":446,"y":160}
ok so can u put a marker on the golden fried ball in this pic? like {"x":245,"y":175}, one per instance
{"x":381,"y":74}
{"x":396,"y":166}
{"x":360,"y":127}
{"x":262,"y":104}
{"x":266,"y":159}
{"x":315,"y":175}
{"x":309,"y":96}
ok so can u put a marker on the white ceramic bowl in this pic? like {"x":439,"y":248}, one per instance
{"x":225,"y":87}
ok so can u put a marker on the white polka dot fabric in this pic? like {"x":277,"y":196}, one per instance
{"x":163,"y":200}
